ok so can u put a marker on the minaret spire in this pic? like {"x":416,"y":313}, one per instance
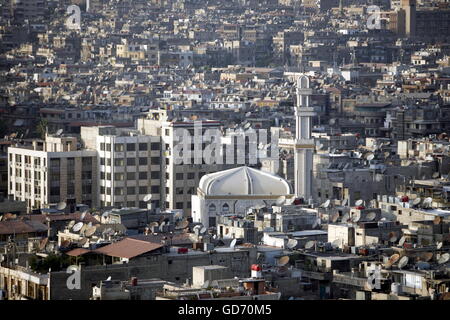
{"x":304,"y":144}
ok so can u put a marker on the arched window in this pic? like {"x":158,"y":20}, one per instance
{"x":225,"y":207}
{"x":212,"y":207}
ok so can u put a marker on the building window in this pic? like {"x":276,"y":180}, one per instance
{"x":131,"y":161}
{"x":212,"y":207}
{"x":131,"y":147}
{"x":142,"y":147}
{"x":142,"y":161}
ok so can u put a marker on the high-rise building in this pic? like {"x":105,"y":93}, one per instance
{"x":52,"y":171}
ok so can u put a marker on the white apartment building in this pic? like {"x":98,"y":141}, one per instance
{"x":51,"y":171}
{"x":129,"y":165}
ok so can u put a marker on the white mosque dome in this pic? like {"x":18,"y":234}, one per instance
{"x":244,"y":181}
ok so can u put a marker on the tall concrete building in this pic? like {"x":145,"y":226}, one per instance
{"x":409,"y":7}
{"x":52,"y":171}
{"x":304,"y":143}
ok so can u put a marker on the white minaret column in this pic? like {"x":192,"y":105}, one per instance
{"x":304,"y":144}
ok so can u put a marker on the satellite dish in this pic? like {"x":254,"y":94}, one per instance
{"x":281,"y":200}
{"x":439,"y":245}
{"x":371,"y":216}
{"x":247,"y":125}
{"x":403,"y":262}
{"x":153,"y":224}
{"x":392,"y":259}
{"x":148,"y":197}
{"x":233,"y":243}
{"x":183,"y":224}
{"x":283,"y":261}
{"x":310,"y":244}
{"x":335,"y":217}
{"x":437,"y":220}
{"x":203,"y":230}
{"x":327,"y":203}
{"x":356,"y":217}
{"x":292,"y":243}
{"x":359,"y":202}
{"x":392,"y":237}
{"x":83,"y":241}
{"x":427,"y":202}
{"x":61,"y":206}
{"x":83,"y":215}
{"x":84,"y":228}
{"x":90,"y":231}
{"x":345,"y":202}
{"x":71,"y":224}
{"x":402,"y":241}
{"x":435,"y":175}
{"x":416,"y":201}
{"x":59,"y":132}
{"x":248,"y":114}
{"x":77,"y":227}
{"x":444,"y":258}
{"x":162,"y":225}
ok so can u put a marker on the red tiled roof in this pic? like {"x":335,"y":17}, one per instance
{"x":128,"y":248}
{"x":77,"y":252}
{"x":21,"y":226}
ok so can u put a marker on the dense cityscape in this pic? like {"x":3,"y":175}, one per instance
{"x":224,"y":150}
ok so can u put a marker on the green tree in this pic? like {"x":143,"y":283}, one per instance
{"x":41,"y":128}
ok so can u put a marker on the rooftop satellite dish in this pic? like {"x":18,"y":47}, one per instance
{"x":356,"y":217}
{"x":71,"y":224}
{"x":444,"y":258}
{"x":61,"y":206}
{"x":335,"y":217}
{"x":83,"y":215}
{"x":403,"y":262}
{"x":316,"y":223}
{"x":281,"y":200}
{"x":247,"y":125}
{"x":248,"y":114}
{"x":359,"y":202}
{"x":153,"y":224}
{"x":439,"y":245}
{"x":416,"y":201}
{"x":370,"y":157}
{"x":310,"y":244}
{"x":371,"y":216}
{"x":292,"y":243}
{"x":148,"y":197}
{"x":59,"y":132}
{"x":435,"y":175}
{"x":183,"y":224}
{"x":402,"y":241}
{"x":90,"y":231}
{"x":345,"y":202}
{"x":77,"y":227}
{"x":427,"y":202}
{"x":392,"y":237}
{"x":283,"y":261}
{"x":162,"y":225}
{"x":83,"y":241}
{"x":387,"y":154}
{"x":84,"y":228}
{"x":203,"y":230}
{"x":392,"y":259}
{"x":327,"y":203}
{"x":233,"y":243}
